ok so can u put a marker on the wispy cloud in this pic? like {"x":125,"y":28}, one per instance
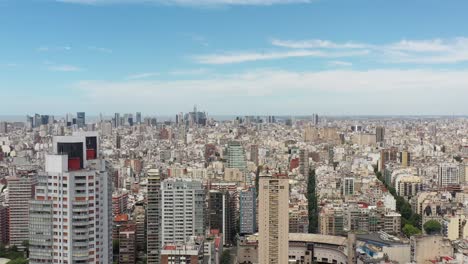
{"x":190,"y":71}
{"x":317,"y":43}
{"x":100,"y":49}
{"x":144,"y":75}
{"x":229,"y":58}
{"x":54,"y":48}
{"x":431,"y":51}
{"x":340,"y":63}
{"x":189,"y":2}
{"x":64,"y":68}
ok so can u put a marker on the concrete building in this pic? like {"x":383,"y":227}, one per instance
{"x":127,"y":244}
{"x":304,"y":162}
{"x":449,"y":174}
{"x":20,"y":190}
{"x":380,"y":134}
{"x":153,"y":218}
{"x":348,"y":186}
{"x":119,"y":202}
{"x":273,"y":219}
{"x":81,"y":119}
{"x":4,"y":224}
{"x":70,"y":217}
{"x":189,"y":252}
{"x":182,"y":215}
{"x":139,"y":217}
{"x":426,"y":249}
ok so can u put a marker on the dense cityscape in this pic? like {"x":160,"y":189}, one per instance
{"x":254,"y":189}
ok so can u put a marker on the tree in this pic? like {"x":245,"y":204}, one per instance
{"x":18,"y":261}
{"x":226,"y":257}
{"x":312,"y":202}
{"x":432,"y":227}
{"x":410,"y":230}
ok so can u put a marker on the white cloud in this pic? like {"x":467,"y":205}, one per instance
{"x":188,"y":2}
{"x":229,"y":58}
{"x":340,"y":63}
{"x":142,"y":75}
{"x":391,"y":90}
{"x":190,"y":72}
{"x":64,"y":68}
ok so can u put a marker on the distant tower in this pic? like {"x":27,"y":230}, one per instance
{"x":80,"y":119}
{"x":380,"y":133}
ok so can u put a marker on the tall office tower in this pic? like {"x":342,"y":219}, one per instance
{"x":4,"y":224}
{"x":315,"y":119}
{"x":273,"y":219}
{"x":304,"y":162}
{"x":449,"y":174}
{"x":29,"y":123}
{"x":236,"y":156}
{"x":127,"y":244}
{"x":248,"y":211}
{"x":254,"y":154}
{"x":80,"y":119}
{"x":138,"y":117}
{"x":70,"y":217}
{"x":117,"y":120}
{"x":220,"y":215}
{"x":348,"y":186}
{"x":139,"y":216}
{"x":183,"y":204}
{"x":20,"y":191}
{"x":37,"y":120}
{"x":380,"y":133}
{"x":153,"y":218}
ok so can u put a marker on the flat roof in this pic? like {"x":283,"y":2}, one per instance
{"x":316,"y":238}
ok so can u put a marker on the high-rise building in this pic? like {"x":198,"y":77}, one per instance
{"x":3,"y":127}
{"x":20,"y":191}
{"x":405,"y":158}
{"x":138,"y":117}
{"x":182,"y":204}
{"x":348,"y":186}
{"x":380,"y":133}
{"x":139,"y":216}
{"x":116,"y":120}
{"x":315,"y":119}
{"x":127,"y":244}
{"x":70,"y":216}
{"x":154,"y":217}
{"x":254,"y":154}
{"x":304,"y":162}
{"x":449,"y":174}
{"x":273,"y":219}
{"x":236,"y":156}
{"x":80,"y":119}
{"x":220,"y":215}
{"x":248,"y":211}
{"x":4,"y":224}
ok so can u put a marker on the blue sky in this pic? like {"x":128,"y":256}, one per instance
{"x":234,"y":56}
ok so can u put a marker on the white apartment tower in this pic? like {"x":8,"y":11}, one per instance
{"x":182,"y":210}
{"x":153,"y":225}
{"x":273,"y":221}
{"x":70,"y":217}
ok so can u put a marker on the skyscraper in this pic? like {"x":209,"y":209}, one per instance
{"x":220,"y":215}
{"x":153,"y":217}
{"x":80,"y":119}
{"x":348,"y":186}
{"x":380,"y":133}
{"x":183,"y":203}
{"x":116,"y":120}
{"x":236,"y":156}
{"x":21,"y":190}
{"x":273,"y":219}
{"x":248,"y":211}
{"x":254,"y":154}
{"x":138,"y":117}
{"x":70,"y":217}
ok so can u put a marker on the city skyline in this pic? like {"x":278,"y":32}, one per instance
{"x":259,"y":57}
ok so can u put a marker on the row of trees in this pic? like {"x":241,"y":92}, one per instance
{"x":410,"y":221}
{"x":16,"y":256}
{"x":312,"y":202}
